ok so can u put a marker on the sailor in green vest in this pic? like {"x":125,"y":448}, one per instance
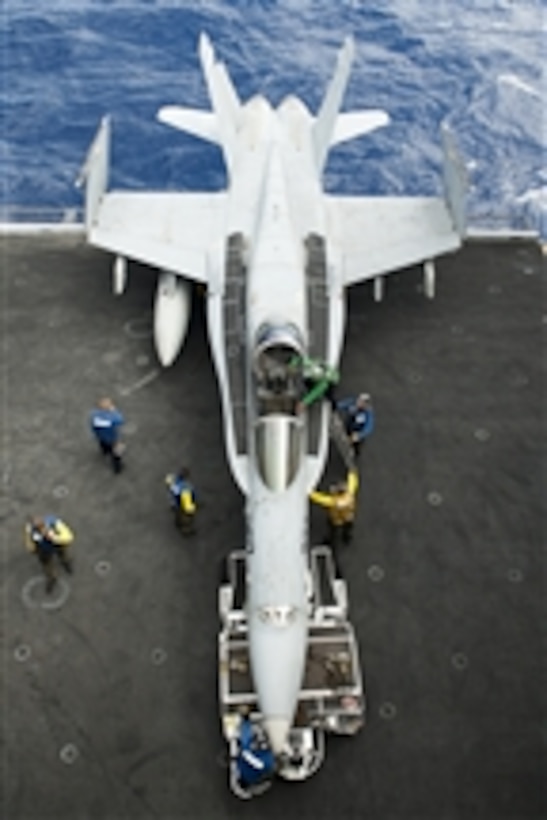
{"x":319,"y":380}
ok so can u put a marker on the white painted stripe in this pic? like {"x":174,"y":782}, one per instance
{"x":41,"y":227}
{"x":500,"y":233}
{"x":126,"y":391}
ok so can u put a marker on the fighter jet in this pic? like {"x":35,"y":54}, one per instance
{"x":276,"y":255}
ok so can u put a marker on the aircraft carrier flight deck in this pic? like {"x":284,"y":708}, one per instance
{"x":109,"y":685}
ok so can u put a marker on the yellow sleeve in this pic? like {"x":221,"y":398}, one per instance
{"x":62,"y":535}
{"x":186,"y":502}
{"x":29,"y":543}
{"x":353,"y":482}
{"x":324,"y":499}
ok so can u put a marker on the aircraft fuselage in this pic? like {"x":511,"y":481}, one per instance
{"x":274,"y":204}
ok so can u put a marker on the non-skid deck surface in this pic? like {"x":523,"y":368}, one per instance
{"x":109,"y":704}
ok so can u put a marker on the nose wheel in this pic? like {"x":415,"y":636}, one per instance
{"x":304,"y":756}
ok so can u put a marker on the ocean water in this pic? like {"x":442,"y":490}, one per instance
{"x":473,"y":63}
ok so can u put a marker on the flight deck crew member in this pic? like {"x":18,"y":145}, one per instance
{"x":183,"y":500}
{"x":255,"y":760}
{"x":340,"y":505}
{"x":49,"y":538}
{"x":105,"y":421}
{"x":319,"y":380}
{"x":358,"y":417}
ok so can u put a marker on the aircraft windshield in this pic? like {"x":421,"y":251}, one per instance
{"x":278,"y":449}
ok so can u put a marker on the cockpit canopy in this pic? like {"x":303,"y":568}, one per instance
{"x":276,"y":350}
{"x":278,"y":430}
{"x":287,"y":335}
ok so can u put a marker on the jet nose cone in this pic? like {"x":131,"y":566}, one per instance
{"x":277,"y":729}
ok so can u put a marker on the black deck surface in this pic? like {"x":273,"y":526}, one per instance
{"x":109,"y":702}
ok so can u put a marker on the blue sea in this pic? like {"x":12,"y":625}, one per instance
{"x":474,"y":63}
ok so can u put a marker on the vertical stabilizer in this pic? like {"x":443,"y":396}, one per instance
{"x":455,"y":180}
{"x":325,"y":123}
{"x":95,"y":172}
{"x":224,"y":99}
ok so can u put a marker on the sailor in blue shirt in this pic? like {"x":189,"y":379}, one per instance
{"x":105,"y":421}
{"x":255,"y":761}
{"x":358,"y":415}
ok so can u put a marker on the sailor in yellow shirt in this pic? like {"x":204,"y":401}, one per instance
{"x":340,"y":504}
{"x":183,"y":500}
{"x":49,"y":538}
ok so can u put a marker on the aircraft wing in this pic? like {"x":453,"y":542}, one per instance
{"x":377,"y":235}
{"x":171,"y":231}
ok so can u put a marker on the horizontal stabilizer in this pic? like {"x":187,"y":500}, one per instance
{"x":201,"y":124}
{"x":355,"y":123}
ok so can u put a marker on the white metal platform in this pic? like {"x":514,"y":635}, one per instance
{"x":332,"y":698}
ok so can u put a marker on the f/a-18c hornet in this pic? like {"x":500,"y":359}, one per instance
{"x":276,"y":255}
